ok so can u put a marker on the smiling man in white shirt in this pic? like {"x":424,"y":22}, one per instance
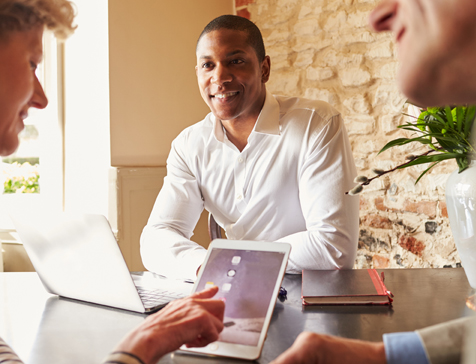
{"x":267,"y":167}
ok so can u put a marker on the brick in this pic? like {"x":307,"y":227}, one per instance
{"x":318,"y":73}
{"x":389,"y":97}
{"x":443,"y":209}
{"x":354,"y":77}
{"x":304,"y":58}
{"x":364,"y":203}
{"x":360,"y":163}
{"x":431,"y":227}
{"x":305,"y":10}
{"x":336,"y":21}
{"x":380,"y":261}
{"x":244,"y":13}
{"x":377,"y":221}
{"x":357,"y":104}
{"x":360,"y":125}
{"x":381,"y":50}
{"x":411,"y":244}
{"x":379,"y":205}
{"x":284,"y":83}
{"x":240,"y":3}
{"x":317,"y":94}
{"x":368,"y":146}
{"x":307,"y":27}
{"x":387,"y":71}
{"x":389,"y":122}
{"x":371,"y":243}
{"x":358,"y":20}
{"x":278,"y":36}
{"x":423,"y":207}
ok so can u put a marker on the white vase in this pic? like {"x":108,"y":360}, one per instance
{"x":461,"y":205}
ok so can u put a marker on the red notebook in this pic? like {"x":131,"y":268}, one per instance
{"x":344,"y":287}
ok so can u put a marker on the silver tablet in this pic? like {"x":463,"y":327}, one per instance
{"x":249,"y":275}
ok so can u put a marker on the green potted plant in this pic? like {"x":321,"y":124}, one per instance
{"x":446,"y":131}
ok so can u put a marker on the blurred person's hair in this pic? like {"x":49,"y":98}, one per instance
{"x":23,"y":15}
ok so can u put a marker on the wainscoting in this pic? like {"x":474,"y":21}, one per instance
{"x":133,"y":193}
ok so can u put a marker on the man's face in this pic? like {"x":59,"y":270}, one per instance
{"x":230,"y":77}
{"x":20,"y":89}
{"x":436,"y":46}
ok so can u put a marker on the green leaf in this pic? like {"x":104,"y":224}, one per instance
{"x":459,"y":111}
{"x":463,"y":163}
{"x":403,"y":141}
{"x":468,"y":122}
{"x":393,"y":143}
{"x":425,"y":171}
{"x":449,"y":117}
{"x":430,"y":159}
{"x":439,"y":118}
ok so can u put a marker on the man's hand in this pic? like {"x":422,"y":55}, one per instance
{"x":195,"y":321}
{"x":314,"y":348}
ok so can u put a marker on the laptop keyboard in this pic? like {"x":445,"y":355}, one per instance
{"x":157,"y":297}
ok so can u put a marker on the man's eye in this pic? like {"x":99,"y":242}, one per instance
{"x":206,"y":65}
{"x":236,"y":61}
{"x":33,"y":66}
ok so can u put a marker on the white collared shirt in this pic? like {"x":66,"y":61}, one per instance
{"x":288,"y":185}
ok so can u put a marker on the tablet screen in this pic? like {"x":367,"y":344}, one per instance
{"x":246,"y":281}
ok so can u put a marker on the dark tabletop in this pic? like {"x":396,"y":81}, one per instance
{"x":48,"y":329}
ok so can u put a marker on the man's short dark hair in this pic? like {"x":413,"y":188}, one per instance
{"x":234,"y":22}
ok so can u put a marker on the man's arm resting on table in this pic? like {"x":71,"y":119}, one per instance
{"x":332,"y":217}
{"x":314,"y":348}
{"x":436,"y":344}
{"x":165,"y":242}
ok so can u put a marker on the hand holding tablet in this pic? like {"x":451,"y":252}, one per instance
{"x":248,"y":275}
{"x":196,"y":320}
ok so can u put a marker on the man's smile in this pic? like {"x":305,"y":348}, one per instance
{"x":225,"y":95}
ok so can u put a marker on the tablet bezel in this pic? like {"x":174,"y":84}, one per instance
{"x":237,"y":350}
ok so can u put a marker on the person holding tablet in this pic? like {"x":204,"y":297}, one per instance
{"x":437,"y":49}
{"x":194,"y":321}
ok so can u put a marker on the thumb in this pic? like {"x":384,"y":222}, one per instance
{"x":206,"y":293}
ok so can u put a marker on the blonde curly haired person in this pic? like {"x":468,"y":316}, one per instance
{"x":22,"y":15}
{"x":194,"y":321}
{"x":22,"y":23}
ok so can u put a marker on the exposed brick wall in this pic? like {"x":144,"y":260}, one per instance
{"x":323,"y":49}
{"x":242,"y":8}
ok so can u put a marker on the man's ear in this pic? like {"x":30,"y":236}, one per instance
{"x":265,"y":69}
{"x":196,"y":70}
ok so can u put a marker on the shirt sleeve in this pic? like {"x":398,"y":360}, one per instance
{"x":7,"y":355}
{"x":166,"y":247}
{"x":332,"y":217}
{"x":444,"y":342}
{"x":122,"y":358}
{"x":404,"y":347}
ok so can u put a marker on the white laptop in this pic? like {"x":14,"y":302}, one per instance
{"x":77,"y":256}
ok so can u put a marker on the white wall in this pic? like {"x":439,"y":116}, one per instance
{"x":87,"y":135}
{"x":154,"y":92}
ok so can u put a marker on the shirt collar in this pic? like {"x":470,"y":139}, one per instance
{"x":268,"y":119}
{"x":267,"y":122}
{"x":218,"y":128}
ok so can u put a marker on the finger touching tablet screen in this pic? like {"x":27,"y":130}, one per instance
{"x":248,"y":275}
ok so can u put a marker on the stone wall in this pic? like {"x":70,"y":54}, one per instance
{"x":323,"y":49}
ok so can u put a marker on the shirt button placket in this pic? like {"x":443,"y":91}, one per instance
{"x":239,"y":182}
